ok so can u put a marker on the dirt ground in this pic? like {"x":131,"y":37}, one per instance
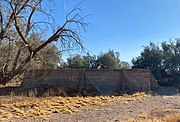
{"x":153,"y":108}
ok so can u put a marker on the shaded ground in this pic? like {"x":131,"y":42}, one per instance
{"x":138,"y":107}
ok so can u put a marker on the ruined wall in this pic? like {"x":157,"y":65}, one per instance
{"x":136,"y":79}
{"x":154,"y":84}
{"x":103,"y":80}
{"x":51,"y":78}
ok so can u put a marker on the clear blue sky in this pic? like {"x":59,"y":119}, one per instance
{"x":126,"y":25}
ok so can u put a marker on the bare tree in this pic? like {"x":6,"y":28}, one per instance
{"x":19,"y":21}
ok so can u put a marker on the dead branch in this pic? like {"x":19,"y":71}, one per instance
{"x":19,"y":24}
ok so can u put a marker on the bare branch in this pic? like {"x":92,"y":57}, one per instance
{"x":18,"y":21}
{"x":11,"y":18}
{"x":28,"y":27}
{"x":26,"y":44}
{"x":1,"y":21}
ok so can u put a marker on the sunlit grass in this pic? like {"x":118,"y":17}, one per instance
{"x":21,"y":106}
{"x":173,"y":118}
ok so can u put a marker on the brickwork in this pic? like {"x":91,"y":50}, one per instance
{"x":102,"y":80}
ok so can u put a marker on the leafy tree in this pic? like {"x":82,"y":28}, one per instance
{"x":48,"y":57}
{"x":171,"y":53}
{"x":163,"y":61}
{"x":81,"y":62}
{"x":108,"y":60}
{"x":75,"y":62}
{"x":150,"y":58}
{"x":19,"y":21}
{"x":111,"y":60}
{"x":124,"y":65}
{"x":89,"y":61}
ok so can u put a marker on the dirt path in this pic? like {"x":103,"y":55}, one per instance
{"x":143,"y":109}
{"x":152,"y":106}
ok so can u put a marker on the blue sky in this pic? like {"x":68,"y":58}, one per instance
{"x":127,"y":25}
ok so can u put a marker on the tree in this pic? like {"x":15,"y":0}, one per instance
{"x":48,"y":57}
{"x":164,"y":61}
{"x":171,"y":57}
{"x":75,"y":62}
{"x":89,"y":61}
{"x":19,"y":21}
{"x":81,"y":62}
{"x":150,"y":58}
{"x":124,"y":65}
{"x":107,"y":60}
{"x":111,"y":60}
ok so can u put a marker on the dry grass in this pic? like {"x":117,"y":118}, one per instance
{"x":147,"y":118}
{"x":173,"y":118}
{"x":20,"y":106}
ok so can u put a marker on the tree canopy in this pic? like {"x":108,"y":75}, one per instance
{"x":108,"y":59}
{"x":20,"y":20}
{"x":81,"y":62}
{"x":163,"y":60}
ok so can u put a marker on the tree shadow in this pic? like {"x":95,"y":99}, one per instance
{"x":162,"y":90}
{"x":45,"y":91}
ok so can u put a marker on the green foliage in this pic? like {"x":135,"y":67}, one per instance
{"x":109,"y":59}
{"x":163,"y":61}
{"x":48,"y":57}
{"x":81,"y":62}
{"x":89,"y":61}
{"x":124,"y":65}
{"x":151,"y":58}
{"x":75,"y":62}
{"x":112,"y":60}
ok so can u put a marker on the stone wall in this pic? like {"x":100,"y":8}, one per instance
{"x":102,"y":80}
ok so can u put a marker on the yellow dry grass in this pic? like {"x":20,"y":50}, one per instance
{"x":173,"y":118}
{"x":19,"y":106}
{"x":146,"y":118}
